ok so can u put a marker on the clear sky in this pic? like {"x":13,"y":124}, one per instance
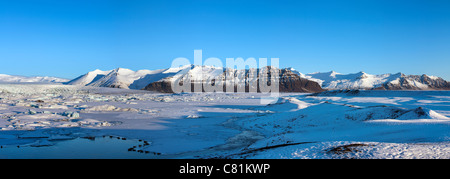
{"x":67,"y":38}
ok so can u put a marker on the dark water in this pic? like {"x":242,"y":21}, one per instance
{"x":80,"y":148}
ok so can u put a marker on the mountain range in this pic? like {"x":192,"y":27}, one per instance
{"x":361,"y":80}
{"x":123,"y":78}
{"x":290,"y":79}
{"x":160,"y":80}
{"x":24,"y":79}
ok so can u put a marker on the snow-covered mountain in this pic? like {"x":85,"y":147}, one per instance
{"x":23,"y":79}
{"x":88,"y":78}
{"x":122,"y":78}
{"x":416,"y":82}
{"x":361,"y":80}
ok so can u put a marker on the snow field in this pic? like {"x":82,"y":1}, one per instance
{"x":365,"y":124}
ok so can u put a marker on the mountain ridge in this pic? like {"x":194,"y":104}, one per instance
{"x":292,"y":80}
{"x":120,"y":78}
{"x":361,"y":80}
{"x":33,"y":79}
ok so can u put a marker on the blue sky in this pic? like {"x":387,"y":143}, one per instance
{"x":69,"y":38}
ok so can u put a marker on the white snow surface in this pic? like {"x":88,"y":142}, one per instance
{"x":368,"y":124}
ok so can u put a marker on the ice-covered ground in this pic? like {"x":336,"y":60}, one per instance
{"x":343,"y":124}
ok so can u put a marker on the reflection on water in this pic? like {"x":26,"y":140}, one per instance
{"x":81,"y":148}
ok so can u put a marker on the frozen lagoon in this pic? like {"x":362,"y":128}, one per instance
{"x":390,"y":124}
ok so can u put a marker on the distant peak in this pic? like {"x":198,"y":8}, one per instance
{"x":399,"y":74}
{"x":333,"y":73}
{"x":292,"y":69}
{"x":362,"y":74}
{"x":96,"y":71}
{"x":123,"y":70}
{"x":183,"y":67}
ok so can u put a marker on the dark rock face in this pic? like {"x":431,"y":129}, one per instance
{"x":406,"y":83}
{"x":160,"y":86}
{"x":288,"y":82}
